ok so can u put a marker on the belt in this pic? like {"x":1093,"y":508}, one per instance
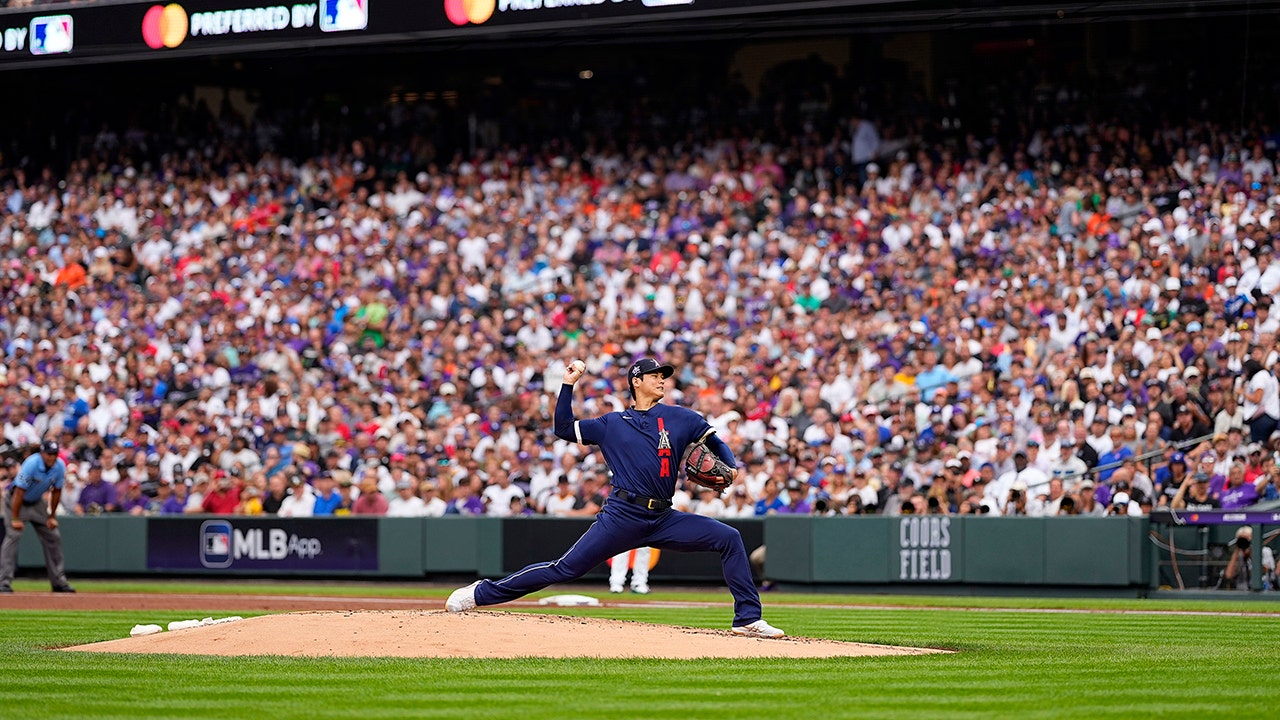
{"x":647,"y":503}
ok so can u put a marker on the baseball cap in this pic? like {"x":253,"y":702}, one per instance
{"x":49,"y":447}
{"x":1201,"y":477}
{"x":1121,"y":498}
{"x":1178,"y":457}
{"x":647,"y":365}
{"x":404,"y":485}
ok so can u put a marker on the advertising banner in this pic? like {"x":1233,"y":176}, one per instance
{"x":76,"y":32}
{"x":263,"y":544}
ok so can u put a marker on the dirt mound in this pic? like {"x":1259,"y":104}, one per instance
{"x":483,"y":634}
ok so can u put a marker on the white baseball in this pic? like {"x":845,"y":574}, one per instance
{"x":578,"y":365}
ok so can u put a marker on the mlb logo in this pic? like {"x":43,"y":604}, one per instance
{"x":52,"y":35}
{"x":344,"y":15}
{"x":215,"y":544}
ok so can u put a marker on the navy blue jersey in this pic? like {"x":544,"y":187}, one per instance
{"x":643,"y":448}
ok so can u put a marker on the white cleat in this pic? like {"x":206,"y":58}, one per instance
{"x":615,"y":588}
{"x":462,"y":599}
{"x":759,"y":629}
{"x":640,"y":589}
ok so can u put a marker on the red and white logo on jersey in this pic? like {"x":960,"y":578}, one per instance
{"x":664,"y":451}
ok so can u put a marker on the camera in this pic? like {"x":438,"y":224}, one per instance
{"x":1243,"y":543}
{"x":1015,"y":494}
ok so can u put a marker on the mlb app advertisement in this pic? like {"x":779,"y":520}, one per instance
{"x":262,"y":544}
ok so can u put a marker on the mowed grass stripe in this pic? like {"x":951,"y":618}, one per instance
{"x":1010,"y":664}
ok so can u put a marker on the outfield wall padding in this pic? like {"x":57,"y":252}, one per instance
{"x":908,"y":550}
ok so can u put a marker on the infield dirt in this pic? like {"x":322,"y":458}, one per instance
{"x":481,"y":634}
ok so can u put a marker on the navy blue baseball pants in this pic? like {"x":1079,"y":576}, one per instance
{"x":623,"y":526}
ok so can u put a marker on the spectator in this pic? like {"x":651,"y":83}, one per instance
{"x":301,"y":501}
{"x":465,"y":501}
{"x":223,"y":498}
{"x":1028,"y":477}
{"x":327,"y":499}
{"x":1261,"y":401}
{"x":709,"y":503}
{"x":770,"y":503}
{"x":1087,"y":504}
{"x":347,"y":491}
{"x":1238,"y":493}
{"x":176,"y":503}
{"x":370,"y":502}
{"x":797,"y":502}
{"x":432,"y":505}
{"x":406,"y":503}
{"x":250,"y":502}
{"x":133,"y":502}
{"x":739,"y":504}
{"x":1123,"y":506}
{"x":1053,"y":501}
{"x":1195,"y":495}
{"x":562,"y":502}
{"x":195,"y":499}
{"x":97,"y":496}
{"x":1236,"y":575}
{"x":498,"y":496}
{"x":590,"y":497}
{"x":1268,"y":484}
{"x":277,"y":492}
{"x":1169,"y":480}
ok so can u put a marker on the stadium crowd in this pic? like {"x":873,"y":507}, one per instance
{"x":1073,"y":319}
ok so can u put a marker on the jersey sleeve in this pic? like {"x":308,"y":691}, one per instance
{"x":25,"y":472}
{"x":591,"y":432}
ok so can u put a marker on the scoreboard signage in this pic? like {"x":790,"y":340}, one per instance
{"x":136,"y":30}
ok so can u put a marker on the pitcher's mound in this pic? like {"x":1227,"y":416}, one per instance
{"x":485,"y":634}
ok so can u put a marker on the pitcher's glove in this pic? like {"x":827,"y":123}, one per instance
{"x":706,"y":469}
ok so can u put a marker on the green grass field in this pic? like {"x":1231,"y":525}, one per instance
{"x":1012,"y":662}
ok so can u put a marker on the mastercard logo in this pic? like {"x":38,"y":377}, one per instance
{"x":164,"y":26}
{"x":461,"y":12}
